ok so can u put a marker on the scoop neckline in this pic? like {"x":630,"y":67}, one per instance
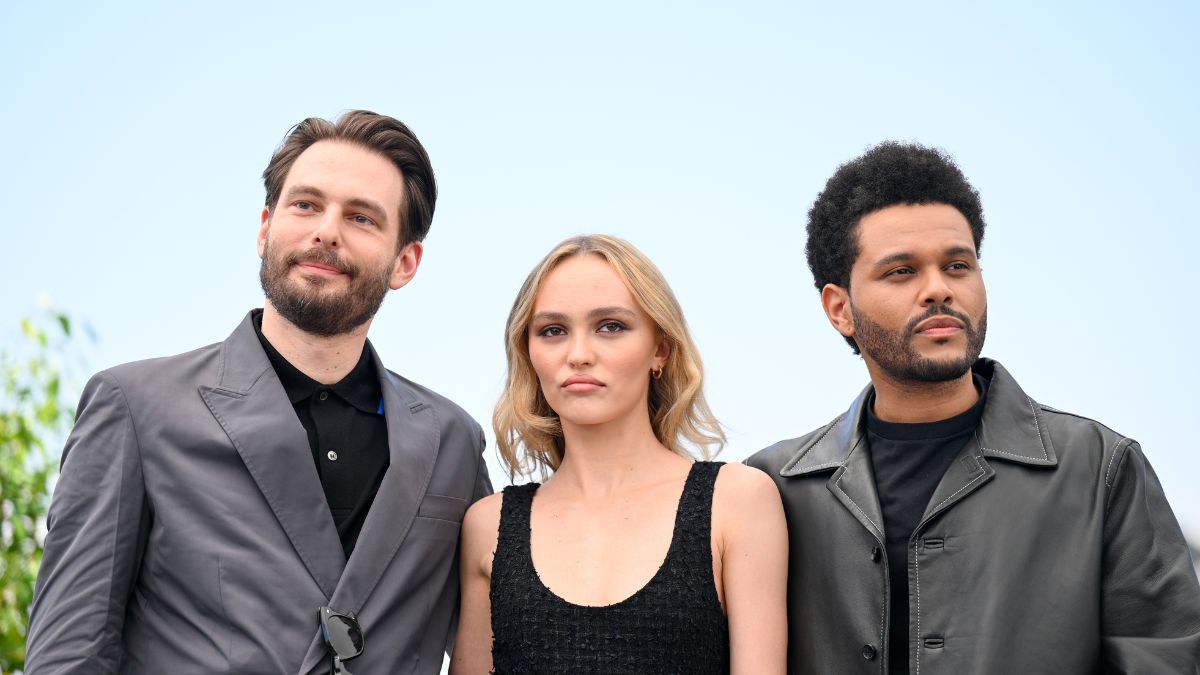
{"x":657,"y":573}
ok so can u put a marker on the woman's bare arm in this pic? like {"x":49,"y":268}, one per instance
{"x":751,"y":535}
{"x":473,"y":645}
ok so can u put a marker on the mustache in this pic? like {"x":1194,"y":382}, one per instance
{"x":322,"y":256}
{"x":936,"y":310}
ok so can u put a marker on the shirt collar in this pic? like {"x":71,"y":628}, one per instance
{"x":360,"y":387}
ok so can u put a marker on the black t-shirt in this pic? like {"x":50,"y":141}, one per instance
{"x":909,"y":461}
{"x":347,"y":434}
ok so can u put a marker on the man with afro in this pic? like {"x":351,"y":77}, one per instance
{"x":947,"y":522}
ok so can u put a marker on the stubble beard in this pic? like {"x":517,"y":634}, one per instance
{"x":893,"y":351}
{"x":308,"y":305}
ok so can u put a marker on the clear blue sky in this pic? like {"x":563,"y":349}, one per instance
{"x":135,"y":133}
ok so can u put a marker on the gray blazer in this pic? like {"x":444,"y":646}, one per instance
{"x":189,"y":532}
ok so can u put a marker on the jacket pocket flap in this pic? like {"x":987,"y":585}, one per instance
{"x":443,"y":507}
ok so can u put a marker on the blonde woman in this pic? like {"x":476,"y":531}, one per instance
{"x":631,"y":557}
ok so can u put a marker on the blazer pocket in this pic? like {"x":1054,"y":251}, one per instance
{"x":442,"y":507}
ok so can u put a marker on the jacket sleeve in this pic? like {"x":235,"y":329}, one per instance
{"x":97,"y":527}
{"x":483,"y":481}
{"x":1151,"y":602}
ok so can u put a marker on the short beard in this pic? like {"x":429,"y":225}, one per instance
{"x":893,"y":352}
{"x":305,"y":305}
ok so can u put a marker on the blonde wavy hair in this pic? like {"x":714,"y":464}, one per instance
{"x":528,"y":433}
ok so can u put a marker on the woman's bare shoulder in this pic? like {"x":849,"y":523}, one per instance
{"x":739,"y":481}
{"x":743,"y":495}
{"x":484,"y":515}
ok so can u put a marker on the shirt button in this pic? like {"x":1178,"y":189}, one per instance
{"x":324,"y":395}
{"x":331,"y":455}
{"x":869,"y":652}
{"x":876,"y":554}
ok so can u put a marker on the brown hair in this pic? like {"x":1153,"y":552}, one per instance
{"x":528,"y":434}
{"x":379,"y":133}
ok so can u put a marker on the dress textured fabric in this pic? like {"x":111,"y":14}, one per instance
{"x":673,"y":624}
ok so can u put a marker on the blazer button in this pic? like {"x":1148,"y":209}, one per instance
{"x":869,"y":652}
{"x":331,"y":455}
{"x":876,"y":554}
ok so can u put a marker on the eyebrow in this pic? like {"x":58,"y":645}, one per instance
{"x":591,"y":316}
{"x":356,"y":202}
{"x":905,"y":256}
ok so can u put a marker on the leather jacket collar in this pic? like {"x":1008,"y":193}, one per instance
{"x":1011,"y":429}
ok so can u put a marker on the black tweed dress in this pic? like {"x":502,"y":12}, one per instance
{"x":673,"y":624}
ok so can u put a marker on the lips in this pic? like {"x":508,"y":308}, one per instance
{"x":581,"y":383}
{"x":939,"y":326}
{"x":319,"y":267}
{"x":321,"y":261}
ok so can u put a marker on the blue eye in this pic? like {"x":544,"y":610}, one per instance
{"x":363,"y":220}
{"x":552,"y":331}
{"x":611,"y":327}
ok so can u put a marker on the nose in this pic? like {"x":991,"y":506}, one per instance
{"x":936,"y":290}
{"x":328,"y":229}
{"x":580,"y":353}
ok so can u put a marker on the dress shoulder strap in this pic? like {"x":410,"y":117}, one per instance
{"x":512,"y":541}
{"x":693,"y":522}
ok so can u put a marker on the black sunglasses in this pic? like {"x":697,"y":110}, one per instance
{"x":342,"y":636}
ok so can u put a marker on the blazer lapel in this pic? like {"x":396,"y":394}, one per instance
{"x":414,"y":438}
{"x":250,"y":404}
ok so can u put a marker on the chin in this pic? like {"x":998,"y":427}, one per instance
{"x":583,"y":416}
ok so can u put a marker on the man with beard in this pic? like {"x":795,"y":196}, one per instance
{"x":278,"y":502}
{"x":947,"y":523}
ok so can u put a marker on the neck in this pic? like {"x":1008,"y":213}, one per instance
{"x":916,"y":402}
{"x":325,"y":359}
{"x":604,"y":459}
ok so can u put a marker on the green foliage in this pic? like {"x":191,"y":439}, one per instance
{"x":33,"y":415}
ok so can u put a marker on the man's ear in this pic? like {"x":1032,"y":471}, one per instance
{"x":836,"y":302}
{"x":263,"y":229}
{"x":405,"y":267}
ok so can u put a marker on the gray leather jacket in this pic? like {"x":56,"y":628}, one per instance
{"x":1048,"y":547}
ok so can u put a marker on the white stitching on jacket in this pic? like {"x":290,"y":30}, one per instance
{"x":853,"y":503}
{"x":973,"y":480}
{"x":1111,"y":460}
{"x":917,"y":566}
{"x":1037,"y":427}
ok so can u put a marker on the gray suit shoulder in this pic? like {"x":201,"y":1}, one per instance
{"x":187,"y":366}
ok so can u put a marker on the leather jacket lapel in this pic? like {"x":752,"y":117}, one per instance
{"x":250,"y":404}
{"x":854,"y":486}
{"x":967,"y":474}
{"x":842,"y":446}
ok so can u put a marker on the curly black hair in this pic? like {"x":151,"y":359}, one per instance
{"x":888,"y":174}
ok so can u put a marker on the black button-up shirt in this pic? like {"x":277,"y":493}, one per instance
{"x":347,"y":434}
